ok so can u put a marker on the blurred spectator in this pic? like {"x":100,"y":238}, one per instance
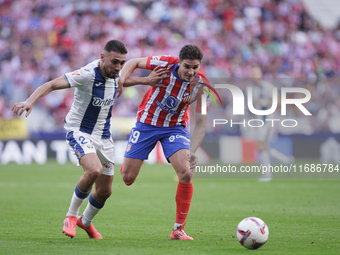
{"x":40,"y":40}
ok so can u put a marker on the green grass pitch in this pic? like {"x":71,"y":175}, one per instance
{"x":302,"y":214}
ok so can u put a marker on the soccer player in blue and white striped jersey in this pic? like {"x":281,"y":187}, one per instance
{"x":88,"y":129}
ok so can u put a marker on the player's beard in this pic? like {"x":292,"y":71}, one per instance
{"x":110,"y":73}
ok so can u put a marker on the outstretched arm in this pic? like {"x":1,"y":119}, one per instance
{"x":127,"y":70}
{"x":129,"y":67}
{"x":58,"y":83}
{"x":153,"y":79}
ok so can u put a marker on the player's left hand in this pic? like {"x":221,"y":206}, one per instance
{"x":193,"y":159}
{"x":156,"y":76}
{"x":19,"y":108}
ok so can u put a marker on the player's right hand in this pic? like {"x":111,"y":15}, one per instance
{"x":119,"y":89}
{"x":156,"y":76}
{"x":193,"y":159}
{"x":19,"y":108}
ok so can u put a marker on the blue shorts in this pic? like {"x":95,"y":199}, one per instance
{"x":144,"y":137}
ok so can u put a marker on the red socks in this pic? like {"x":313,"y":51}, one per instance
{"x":183,"y":201}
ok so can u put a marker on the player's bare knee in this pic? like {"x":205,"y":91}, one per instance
{"x":128,"y":178}
{"x":184,"y":177}
{"x":94,"y":173}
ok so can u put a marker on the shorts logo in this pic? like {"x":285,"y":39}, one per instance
{"x":182,"y":136}
{"x":185,"y":143}
{"x":128,"y":148}
{"x":108,"y":165}
{"x":172,"y":138}
{"x":171,"y":102}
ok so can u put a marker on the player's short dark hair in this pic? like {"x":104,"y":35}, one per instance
{"x":116,"y":46}
{"x":191,"y":51}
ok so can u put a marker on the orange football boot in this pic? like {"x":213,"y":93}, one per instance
{"x":90,"y":230}
{"x":69,"y":227}
{"x":179,"y":234}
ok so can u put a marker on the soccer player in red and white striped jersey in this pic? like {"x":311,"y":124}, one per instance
{"x":162,"y":116}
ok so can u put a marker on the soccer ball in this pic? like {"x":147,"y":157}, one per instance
{"x":252,"y":233}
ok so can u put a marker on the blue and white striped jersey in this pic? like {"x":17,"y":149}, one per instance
{"x":92,"y":102}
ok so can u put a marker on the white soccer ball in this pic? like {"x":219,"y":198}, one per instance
{"x":252,"y":233}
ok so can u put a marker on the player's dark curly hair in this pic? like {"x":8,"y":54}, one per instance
{"x":191,"y":51}
{"x":116,"y":46}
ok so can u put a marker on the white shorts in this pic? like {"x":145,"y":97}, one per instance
{"x":81,"y":143}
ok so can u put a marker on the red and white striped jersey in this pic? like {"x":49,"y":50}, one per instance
{"x":169,"y":106}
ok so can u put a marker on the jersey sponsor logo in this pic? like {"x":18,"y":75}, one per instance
{"x":171,"y":102}
{"x":163,"y":107}
{"x":102,"y":102}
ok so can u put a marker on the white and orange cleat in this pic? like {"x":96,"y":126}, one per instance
{"x":69,"y":226}
{"x":179,"y":234}
{"x":90,"y":230}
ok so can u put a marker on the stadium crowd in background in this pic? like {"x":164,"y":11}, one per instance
{"x":40,"y":40}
